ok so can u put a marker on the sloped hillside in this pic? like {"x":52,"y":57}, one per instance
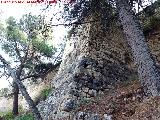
{"x":97,"y":78}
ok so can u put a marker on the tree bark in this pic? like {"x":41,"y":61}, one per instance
{"x":30,"y":102}
{"x":147,"y":69}
{"x":15,"y":99}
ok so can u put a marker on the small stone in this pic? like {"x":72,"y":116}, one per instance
{"x":86,"y":90}
{"x":55,"y":112}
{"x":82,"y":115}
{"x":74,"y":92}
{"x":111,"y":110}
{"x":101,"y":92}
{"x":110,"y":87}
{"x":94,"y":117}
{"x":88,"y":96}
{"x":107,"y":117}
{"x":133,"y":98}
{"x":93,"y":93}
{"x":84,"y":94}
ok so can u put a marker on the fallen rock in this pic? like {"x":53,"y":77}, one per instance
{"x":69,"y":105}
{"x":87,"y":116}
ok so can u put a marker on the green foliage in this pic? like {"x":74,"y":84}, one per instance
{"x":4,"y":92}
{"x":151,"y":17}
{"x":43,"y":95}
{"x":70,"y":32}
{"x":26,"y":116}
{"x":1,"y":114}
{"x":1,"y":28}
{"x":151,"y":24}
{"x":154,"y":21}
{"x":21,"y":109}
{"x":45,"y":92}
{"x":157,"y":2}
{"x":36,"y":26}
{"x":30,"y":31}
{"x":8,"y":116}
{"x":12,"y":37}
{"x":44,"y":48}
{"x":86,"y":8}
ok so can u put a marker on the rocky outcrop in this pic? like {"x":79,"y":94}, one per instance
{"x":94,"y":62}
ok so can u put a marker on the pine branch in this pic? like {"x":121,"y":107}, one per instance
{"x":74,"y":23}
{"x":31,"y":76}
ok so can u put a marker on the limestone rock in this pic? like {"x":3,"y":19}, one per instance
{"x":69,"y":105}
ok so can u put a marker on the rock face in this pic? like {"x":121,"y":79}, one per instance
{"x":94,"y":62}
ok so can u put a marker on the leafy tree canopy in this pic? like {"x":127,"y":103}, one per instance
{"x":31,"y":31}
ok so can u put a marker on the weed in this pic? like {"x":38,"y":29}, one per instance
{"x":46,"y":92}
{"x":26,"y":116}
{"x":43,"y":95}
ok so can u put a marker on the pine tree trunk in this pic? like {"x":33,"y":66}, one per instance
{"x":15,"y":99}
{"x":147,"y":69}
{"x":30,"y":102}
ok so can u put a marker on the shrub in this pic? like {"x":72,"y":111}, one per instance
{"x":4,"y":92}
{"x":26,"y":116}
{"x":151,"y":24}
{"x":8,"y":116}
{"x":43,"y":95}
{"x":46,"y":92}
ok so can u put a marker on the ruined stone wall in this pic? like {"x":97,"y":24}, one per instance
{"x":93,"y":63}
{"x":107,"y":44}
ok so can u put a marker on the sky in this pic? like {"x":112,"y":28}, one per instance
{"x":17,"y":10}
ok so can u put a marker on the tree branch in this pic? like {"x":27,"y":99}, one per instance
{"x":4,"y":61}
{"x":26,"y":54}
{"x":74,"y":23}
{"x":3,"y":74}
{"x":31,"y":76}
{"x":23,"y":62}
{"x":17,"y":51}
{"x":9,"y":82}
